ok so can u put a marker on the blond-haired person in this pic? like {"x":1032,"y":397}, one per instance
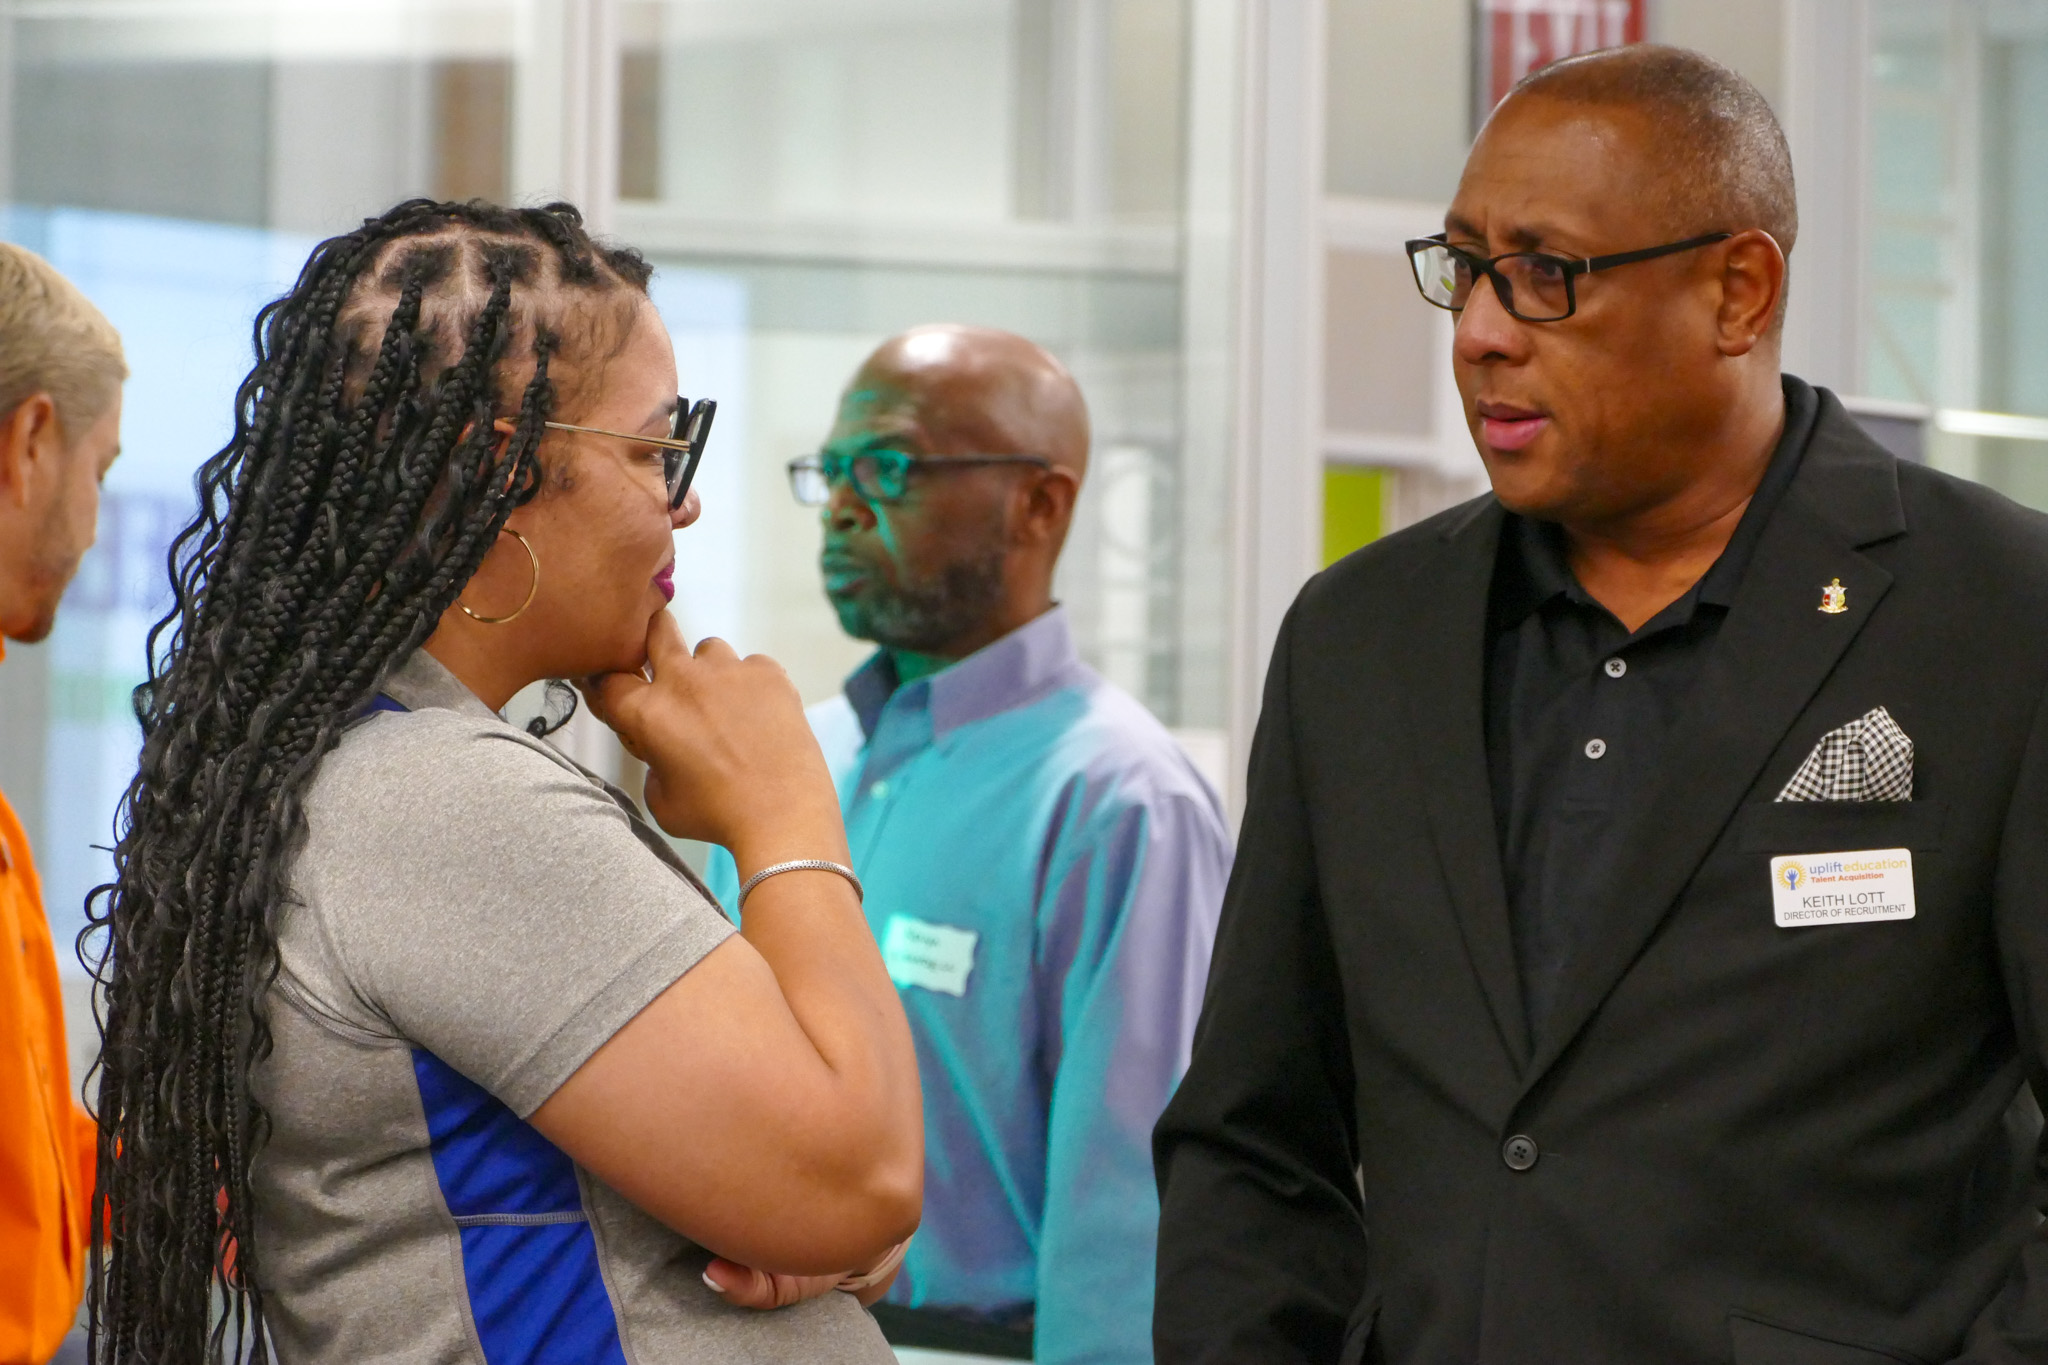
{"x":60,"y":417}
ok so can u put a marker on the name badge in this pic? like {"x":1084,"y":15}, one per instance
{"x":937,"y":957}
{"x":1842,"y":888}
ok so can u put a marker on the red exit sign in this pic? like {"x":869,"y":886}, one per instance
{"x":1515,"y":37}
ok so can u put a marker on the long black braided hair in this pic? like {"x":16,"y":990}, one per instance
{"x":362,"y":487}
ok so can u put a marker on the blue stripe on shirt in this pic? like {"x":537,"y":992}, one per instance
{"x":536,"y":1292}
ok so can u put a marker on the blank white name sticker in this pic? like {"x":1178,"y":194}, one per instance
{"x":1842,"y":888}
{"x":937,"y":957}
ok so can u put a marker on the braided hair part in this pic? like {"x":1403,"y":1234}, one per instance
{"x":362,"y":487}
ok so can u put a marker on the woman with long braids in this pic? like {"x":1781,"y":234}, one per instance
{"x":420,"y":1046}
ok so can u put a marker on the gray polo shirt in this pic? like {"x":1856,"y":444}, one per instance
{"x":473,"y":916}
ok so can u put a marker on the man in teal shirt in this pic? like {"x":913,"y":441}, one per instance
{"x":1044,"y":867}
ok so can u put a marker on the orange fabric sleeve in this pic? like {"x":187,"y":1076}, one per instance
{"x":43,"y":1178}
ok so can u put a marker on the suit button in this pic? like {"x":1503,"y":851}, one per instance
{"x":1519,"y":1152}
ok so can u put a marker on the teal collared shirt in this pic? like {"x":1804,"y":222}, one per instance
{"x":1044,"y":870}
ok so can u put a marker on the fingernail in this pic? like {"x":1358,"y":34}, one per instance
{"x":716,"y":1287}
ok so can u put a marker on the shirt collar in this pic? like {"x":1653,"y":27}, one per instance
{"x":1802,"y":405}
{"x":1533,"y":568}
{"x":1531,"y":571}
{"x":1013,"y":671}
{"x":424,"y":682}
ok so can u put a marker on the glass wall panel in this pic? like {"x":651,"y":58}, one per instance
{"x":1958,"y":185}
{"x":177,"y":160}
{"x":834,"y":171}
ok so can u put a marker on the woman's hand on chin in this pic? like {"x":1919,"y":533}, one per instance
{"x":730,"y":756}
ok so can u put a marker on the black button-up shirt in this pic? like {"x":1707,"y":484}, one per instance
{"x":1578,"y":711}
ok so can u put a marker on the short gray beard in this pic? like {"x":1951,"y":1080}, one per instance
{"x":926,"y":616}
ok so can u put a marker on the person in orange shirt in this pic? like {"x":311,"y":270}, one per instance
{"x":61,"y":371}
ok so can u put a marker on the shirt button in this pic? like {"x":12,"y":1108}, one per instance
{"x":1519,"y":1153}
{"x":1595,"y":748}
{"x":1616,"y":667}
{"x":879,"y":790}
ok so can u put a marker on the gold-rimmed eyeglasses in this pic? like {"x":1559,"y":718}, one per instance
{"x":681,"y":449}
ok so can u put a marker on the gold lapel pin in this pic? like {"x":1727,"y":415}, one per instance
{"x":1834,"y":598}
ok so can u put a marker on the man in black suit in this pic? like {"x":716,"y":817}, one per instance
{"x":1640,"y":922}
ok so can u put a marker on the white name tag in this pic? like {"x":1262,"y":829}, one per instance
{"x":937,"y":957}
{"x":1842,"y":888}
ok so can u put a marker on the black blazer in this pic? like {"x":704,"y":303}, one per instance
{"x":1771,"y":1146}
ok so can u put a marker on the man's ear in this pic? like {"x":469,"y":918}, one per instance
{"x":29,"y":437}
{"x":1049,"y":504}
{"x":1752,"y":288}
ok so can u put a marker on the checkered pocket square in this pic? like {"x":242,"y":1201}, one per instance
{"x":1869,"y":759}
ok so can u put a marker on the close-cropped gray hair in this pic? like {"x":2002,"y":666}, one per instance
{"x":1721,"y":163}
{"x":52,"y":340}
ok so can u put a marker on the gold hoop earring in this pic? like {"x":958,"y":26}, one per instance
{"x":535,"y":560}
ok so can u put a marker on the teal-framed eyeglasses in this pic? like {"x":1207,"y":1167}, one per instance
{"x":880,"y":475}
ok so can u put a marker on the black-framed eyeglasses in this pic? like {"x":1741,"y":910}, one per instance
{"x":681,"y":449}
{"x":1534,"y":286}
{"x":879,"y":475}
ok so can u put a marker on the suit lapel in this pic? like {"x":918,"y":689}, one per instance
{"x":1443,"y":677}
{"x":1773,"y":652}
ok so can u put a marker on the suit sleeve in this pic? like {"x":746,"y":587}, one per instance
{"x":1126,"y":934}
{"x":1262,"y":1250}
{"x":2014,"y":1326}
